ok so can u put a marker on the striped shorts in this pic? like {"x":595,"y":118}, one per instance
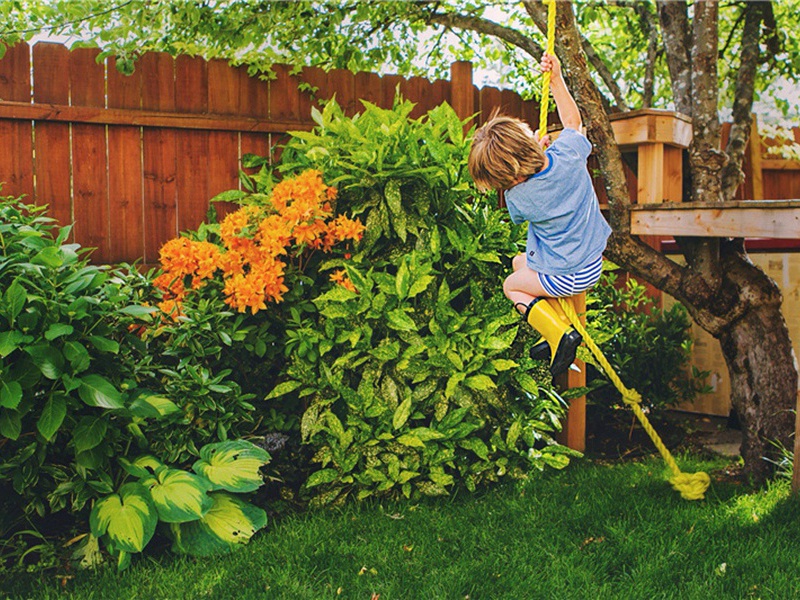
{"x":561,"y":286}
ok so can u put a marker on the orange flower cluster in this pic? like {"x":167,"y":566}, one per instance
{"x":299,"y":216}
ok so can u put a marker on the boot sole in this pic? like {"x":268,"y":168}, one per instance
{"x":565,"y":355}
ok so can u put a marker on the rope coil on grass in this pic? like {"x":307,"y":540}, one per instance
{"x":691,"y":486}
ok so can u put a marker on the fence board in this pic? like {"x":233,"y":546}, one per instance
{"x":369,"y":87}
{"x":125,"y":185}
{"x":223,"y":98}
{"x":191,"y":96}
{"x":52,"y":146}
{"x":89,"y":169}
{"x":389,"y":88}
{"x":159,"y":155}
{"x":16,"y":168}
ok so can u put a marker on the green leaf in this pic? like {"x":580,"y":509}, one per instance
{"x":10,"y":394}
{"x":96,"y":390}
{"x":57,"y":330}
{"x":411,"y":440}
{"x":129,"y":518}
{"x":48,"y":359}
{"x":502,"y":341}
{"x":179,"y":496}
{"x":228,"y":523}
{"x":104,"y":344}
{"x":527,"y":382}
{"x":77,"y":355}
{"x":420,"y":285}
{"x":148,"y":405}
{"x":48,"y":257}
{"x":232,"y":466}
{"x":89,"y":433}
{"x":452,"y":384}
{"x":504,"y":364}
{"x":402,"y":281}
{"x":10,"y":423}
{"x":143,"y":466}
{"x":9,"y":341}
{"x":480,"y":382}
{"x":136,"y":310}
{"x":477,"y":445}
{"x":401,"y":413}
{"x":15,"y":298}
{"x":513,"y":434}
{"x":321,"y":477}
{"x":397,"y":319}
{"x":283,"y":388}
{"x":53,"y":413}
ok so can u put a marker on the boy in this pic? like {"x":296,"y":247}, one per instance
{"x":552,"y":190}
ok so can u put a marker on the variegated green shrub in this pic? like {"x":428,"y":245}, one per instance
{"x":414,"y":373}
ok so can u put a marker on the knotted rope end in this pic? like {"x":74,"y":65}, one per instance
{"x":692,"y":486}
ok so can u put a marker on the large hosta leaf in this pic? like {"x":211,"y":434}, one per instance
{"x":129,"y":518}
{"x":228,"y":523}
{"x":232,"y":466}
{"x":179,"y":496}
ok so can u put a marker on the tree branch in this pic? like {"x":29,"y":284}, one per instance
{"x":650,"y":29}
{"x":605,"y":74}
{"x":486,"y":27}
{"x":743,"y":98}
{"x":674,"y":19}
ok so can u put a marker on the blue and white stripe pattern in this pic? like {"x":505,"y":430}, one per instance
{"x":561,"y":286}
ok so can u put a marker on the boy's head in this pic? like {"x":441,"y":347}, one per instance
{"x":504,"y":151}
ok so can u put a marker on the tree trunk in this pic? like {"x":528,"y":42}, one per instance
{"x":763,"y":374}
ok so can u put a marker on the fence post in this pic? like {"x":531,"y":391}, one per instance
{"x":462,"y":94}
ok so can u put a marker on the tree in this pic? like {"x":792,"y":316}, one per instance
{"x":679,"y":61}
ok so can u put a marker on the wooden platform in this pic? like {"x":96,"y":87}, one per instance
{"x":779,"y":219}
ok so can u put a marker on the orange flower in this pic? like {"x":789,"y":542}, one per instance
{"x":299,"y":215}
{"x":343,"y":280}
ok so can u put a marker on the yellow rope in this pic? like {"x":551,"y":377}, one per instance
{"x":692,"y":486}
{"x":551,"y":44}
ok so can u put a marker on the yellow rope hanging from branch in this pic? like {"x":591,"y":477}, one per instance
{"x":550,"y":49}
{"x":692,"y":486}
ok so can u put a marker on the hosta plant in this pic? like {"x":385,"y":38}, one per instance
{"x":200,"y":510}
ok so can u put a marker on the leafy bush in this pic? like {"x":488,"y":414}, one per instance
{"x":204,"y":517}
{"x":413,"y":374}
{"x":649,"y":347}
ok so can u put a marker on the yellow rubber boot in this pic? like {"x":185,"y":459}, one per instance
{"x":561,"y":337}
{"x":541,"y":349}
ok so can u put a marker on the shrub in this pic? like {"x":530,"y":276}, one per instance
{"x":649,"y":347}
{"x":413,"y":373}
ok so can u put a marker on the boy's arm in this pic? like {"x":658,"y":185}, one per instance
{"x":567,"y":109}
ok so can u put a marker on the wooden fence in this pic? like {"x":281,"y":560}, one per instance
{"x":133,"y":160}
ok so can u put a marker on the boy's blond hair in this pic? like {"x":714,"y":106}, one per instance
{"x":504,"y":150}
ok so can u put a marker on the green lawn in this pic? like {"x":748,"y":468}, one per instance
{"x":593,"y":531}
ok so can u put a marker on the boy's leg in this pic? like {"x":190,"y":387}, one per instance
{"x":524,"y":288}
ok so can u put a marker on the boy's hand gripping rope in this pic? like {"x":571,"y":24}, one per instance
{"x":692,"y":486}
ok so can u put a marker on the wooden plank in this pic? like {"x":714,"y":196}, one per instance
{"x":51,"y":144}
{"x":770,"y":219}
{"x":89,"y":168}
{"x":777,"y":164}
{"x":341,"y":84}
{"x":125,"y":178}
{"x":414,"y":89}
{"x":511,"y":103}
{"x":16,"y":168}
{"x":145,"y":118}
{"x":755,"y":152}
{"x":650,"y":174}
{"x":389,"y":90}
{"x":159,"y":155}
{"x":317,"y":79}
{"x":462,"y":93}
{"x":369,"y":87}
{"x":191,"y":96}
{"x":440,"y":92}
{"x":489,"y":100}
{"x":573,"y":432}
{"x":223,"y":98}
{"x":651,"y":125}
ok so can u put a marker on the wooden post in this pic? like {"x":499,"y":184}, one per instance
{"x":462,"y":96}
{"x":573,"y":432}
{"x":754,"y":150}
{"x":796,"y":466}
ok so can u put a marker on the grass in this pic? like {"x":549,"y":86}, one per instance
{"x":593,"y":531}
